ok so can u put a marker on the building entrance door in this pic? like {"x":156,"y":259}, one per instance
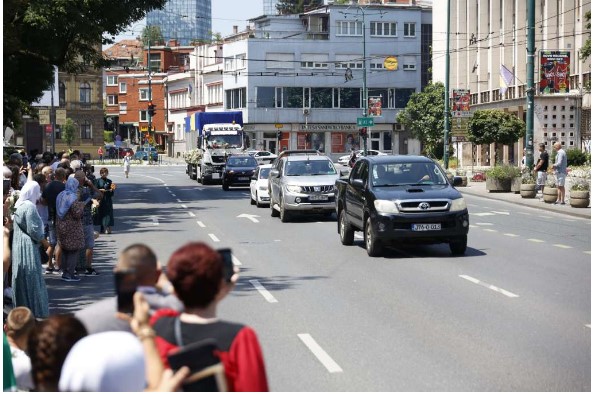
{"x":270,"y":144}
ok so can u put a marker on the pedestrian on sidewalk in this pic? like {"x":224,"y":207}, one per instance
{"x":560,"y":170}
{"x":104,"y":217}
{"x":127,"y":163}
{"x":100,"y":153}
{"x":87,"y":191}
{"x":541,"y":168}
{"x":50,"y":194}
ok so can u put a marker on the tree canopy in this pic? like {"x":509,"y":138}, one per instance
{"x":586,"y":48}
{"x":490,"y":126}
{"x":424,"y":116}
{"x":152,"y":34}
{"x":40,"y":34}
{"x":288,"y":7}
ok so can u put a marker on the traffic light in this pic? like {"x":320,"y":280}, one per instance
{"x":151,"y":107}
{"x":279,"y":135}
{"x":363,"y":132}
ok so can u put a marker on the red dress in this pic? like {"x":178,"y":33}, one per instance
{"x":239,"y":349}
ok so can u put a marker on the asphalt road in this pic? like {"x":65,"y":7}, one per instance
{"x":514,"y":314}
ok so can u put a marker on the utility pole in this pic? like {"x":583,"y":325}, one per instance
{"x":530,"y":87}
{"x":365,"y":93}
{"x":447,"y":121}
{"x":52,"y":118}
{"x":149,"y":88}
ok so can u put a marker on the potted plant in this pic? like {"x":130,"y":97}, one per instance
{"x":550,"y":189}
{"x":579,"y":193}
{"x":516,"y":182}
{"x":499,"y":178}
{"x":528,"y":187}
{"x":463,"y":175}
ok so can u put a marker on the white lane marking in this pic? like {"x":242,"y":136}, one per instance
{"x":502,"y":212}
{"x":250,"y":217}
{"x":490,"y":230}
{"x":587,"y":252}
{"x":489,"y":286}
{"x":213,"y":237}
{"x":236,"y":260}
{"x":164,"y":184}
{"x":262,"y":290}
{"x":545,"y":217}
{"x":483,"y":214}
{"x":201,"y":224}
{"x":155,"y":220}
{"x":510,"y":235}
{"x":563,"y":246}
{"x":485,"y":224}
{"x":524,"y":213}
{"x":569,"y":220}
{"x":535,"y":240}
{"x":193,"y":215}
{"x":472,"y":205}
{"x":588,"y":325}
{"x":174,"y":195}
{"x":321,"y":355}
{"x":183,"y":206}
{"x":470,"y":226}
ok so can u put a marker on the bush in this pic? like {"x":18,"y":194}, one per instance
{"x":576,"y":157}
{"x":107,"y":136}
{"x":528,"y":179}
{"x":580,"y":184}
{"x":503,"y":172}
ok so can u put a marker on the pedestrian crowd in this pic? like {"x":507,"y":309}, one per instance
{"x":160,"y":332}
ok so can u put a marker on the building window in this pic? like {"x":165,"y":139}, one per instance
{"x":350,"y":65}
{"x":545,"y":107}
{"x":123,"y":87}
{"x":572,"y":125}
{"x":85,"y":93}
{"x":571,"y":134}
{"x":143,"y":93}
{"x":86,"y":130}
{"x":62,"y":94}
{"x":123,"y":108}
{"x":112,"y":80}
{"x":409,"y":29}
{"x":545,"y":125}
{"x":143,"y":116}
{"x":409,"y":67}
{"x":241,"y":61}
{"x":554,"y":125}
{"x":562,"y":134}
{"x":236,"y":98}
{"x":545,"y":134}
{"x":377,"y":65}
{"x":349,"y":28}
{"x":112,"y":99}
{"x":553,"y":116}
{"x":155,"y":62}
{"x":379,"y":29}
{"x":554,"y":108}
{"x":563,"y":108}
{"x":571,"y":143}
{"x":313,"y":65}
{"x":545,"y":116}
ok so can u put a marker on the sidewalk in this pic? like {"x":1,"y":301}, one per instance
{"x":479,"y":189}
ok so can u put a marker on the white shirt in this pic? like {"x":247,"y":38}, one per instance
{"x":21,"y":364}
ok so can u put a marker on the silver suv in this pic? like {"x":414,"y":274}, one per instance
{"x":302,"y":184}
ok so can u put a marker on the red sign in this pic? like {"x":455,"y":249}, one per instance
{"x":461,"y":100}
{"x":48,"y":129}
{"x":554,"y":71}
{"x":375,"y":106}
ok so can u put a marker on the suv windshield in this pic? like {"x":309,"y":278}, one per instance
{"x":397,"y":174}
{"x":309,"y":167}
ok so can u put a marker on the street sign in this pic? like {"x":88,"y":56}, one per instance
{"x":278,"y":125}
{"x":61,"y":116}
{"x":44,"y":116}
{"x":365,"y":122}
{"x":48,"y":129}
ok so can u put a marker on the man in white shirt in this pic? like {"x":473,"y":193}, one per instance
{"x":19,"y":324}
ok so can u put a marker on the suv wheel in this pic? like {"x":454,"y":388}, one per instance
{"x":273,"y":212}
{"x":252,"y":201}
{"x":346,"y":232}
{"x":225,"y":185}
{"x":284,"y":215}
{"x":458,"y":246}
{"x":373,"y":245}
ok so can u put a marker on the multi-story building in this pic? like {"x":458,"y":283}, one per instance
{"x":184,"y":20}
{"x":486,"y":35}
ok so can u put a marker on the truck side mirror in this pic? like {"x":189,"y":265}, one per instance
{"x":357,"y":183}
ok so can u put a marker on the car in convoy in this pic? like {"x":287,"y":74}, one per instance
{"x":144,"y":153}
{"x":238,"y":170}
{"x":302,"y":183}
{"x":343,"y":160}
{"x":397,"y":200}
{"x":262,"y":156}
{"x":259,"y":185}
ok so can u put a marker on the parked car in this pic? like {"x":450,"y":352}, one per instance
{"x":143,"y":153}
{"x":302,"y":184}
{"x":398,"y":200}
{"x":259,"y":185}
{"x":262,"y":156}
{"x":112,"y":152}
{"x":238,"y":171}
{"x":343,"y":160}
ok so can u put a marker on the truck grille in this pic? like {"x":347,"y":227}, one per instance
{"x":218,"y":159}
{"x":424,"y":205}
{"x":317,"y":189}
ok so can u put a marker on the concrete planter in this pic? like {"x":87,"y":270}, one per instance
{"x":516,"y":184}
{"x":579,"y":198}
{"x":497,"y":185}
{"x":550,"y":194}
{"x":528,"y":190}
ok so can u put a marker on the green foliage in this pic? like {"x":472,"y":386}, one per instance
{"x":586,"y":48}
{"x":503,"y":172}
{"x":152,"y":35}
{"x":576,"y":157}
{"x":288,"y":7}
{"x":424,"y":117}
{"x":494,"y":126}
{"x":580,"y":184}
{"x":108,"y":135}
{"x":64,"y":33}
{"x":527,"y":178}
{"x":68,"y":131}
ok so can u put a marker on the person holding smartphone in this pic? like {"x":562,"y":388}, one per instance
{"x":197,"y":273}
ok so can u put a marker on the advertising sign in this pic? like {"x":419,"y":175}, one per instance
{"x":461,"y":100}
{"x":390,"y":63}
{"x":61,"y":116}
{"x":44,"y":116}
{"x":375,"y":106}
{"x":554,"y":71}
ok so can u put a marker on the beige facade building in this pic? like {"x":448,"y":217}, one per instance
{"x":488,"y":34}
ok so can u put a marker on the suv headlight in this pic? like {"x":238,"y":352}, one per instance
{"x":458,"y":205}
{"x":386,"y":207}
{"x":293,"y":188}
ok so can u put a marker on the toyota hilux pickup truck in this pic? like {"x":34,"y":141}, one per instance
{"x":397,"y":200}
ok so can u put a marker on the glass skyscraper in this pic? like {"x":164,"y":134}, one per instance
{"x":184,"y":20}
{"x":270,"y":7}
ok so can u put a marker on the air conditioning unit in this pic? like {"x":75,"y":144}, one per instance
{"x":306,"y":111}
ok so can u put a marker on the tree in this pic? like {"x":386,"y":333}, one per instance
{"x":152,"y":35}
{"x":40,"y":34}
{"x":493,"y":126}
{"x":288,"y":7}
{"x":586,"y":49}
{"x":424,"y":117}
{"x":68,"y":130}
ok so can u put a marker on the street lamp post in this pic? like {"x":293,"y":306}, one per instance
{"x":364,"y":80}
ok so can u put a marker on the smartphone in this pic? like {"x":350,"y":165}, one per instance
{"x":227,"y":263}
{"x":125,"y":287}
{"x":197,"y":357}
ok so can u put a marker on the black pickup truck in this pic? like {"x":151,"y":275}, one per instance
{"x":401,"y":199}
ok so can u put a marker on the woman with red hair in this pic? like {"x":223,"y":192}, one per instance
{"x":197,"y":274}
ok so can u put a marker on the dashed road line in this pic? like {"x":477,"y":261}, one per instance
{"x":489,"y":286}
{"x":214,"y":238}
{"x":563,"y":246}
{"x":183,"y":206}
{"x":262,"y":290}
{"x":510,"y":235}
{"x":524,"y":213}
{"x":193,"y":215}
{"x":155,"y":220}
{"x":587,"y":252}
{"x":535,"y":240}
{"x":485,"y":224}
{"x":588,"y":325}
{"x":484,"y":214}
{"x":201,"y":224}
{"x":321,"y":354}
{"x":174,"y":195}
{"x":490,"y":230}
{"x":236,"y":260}
{"x":472,"y":226}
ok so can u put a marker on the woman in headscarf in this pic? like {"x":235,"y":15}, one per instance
{"x":28,"y":285}
{"x":69,"y":228}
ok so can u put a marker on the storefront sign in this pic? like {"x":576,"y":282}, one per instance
{"x":554,"y":71}
{"x":328,"y":127}
{"x":390,"y":63}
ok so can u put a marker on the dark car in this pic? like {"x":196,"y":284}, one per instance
{"x":400,"y":200}
{"x":143,"y":153}
{"x":112,"y":152}
{"x":238,"y":171}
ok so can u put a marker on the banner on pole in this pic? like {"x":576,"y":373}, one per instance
{"x":375,"y":106}
{"x":554,"y":72}
{"x":461,"y":100}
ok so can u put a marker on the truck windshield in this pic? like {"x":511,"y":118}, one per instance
{"x":408,"y":174}
{"x":225,"y":141}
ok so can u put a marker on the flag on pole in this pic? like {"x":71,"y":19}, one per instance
{"x":189,"y":88}
{"x":506,"y":79}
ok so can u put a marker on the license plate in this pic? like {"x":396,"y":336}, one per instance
{"x":318,"y":198}
{"x":215,"y":175}
{"x":426,"y":227}
{"x":243,"y":178}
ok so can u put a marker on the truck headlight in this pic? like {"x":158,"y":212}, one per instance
{"x":386,"y":207}
{"x":458,"y":205}
{"x":293,"y":188}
